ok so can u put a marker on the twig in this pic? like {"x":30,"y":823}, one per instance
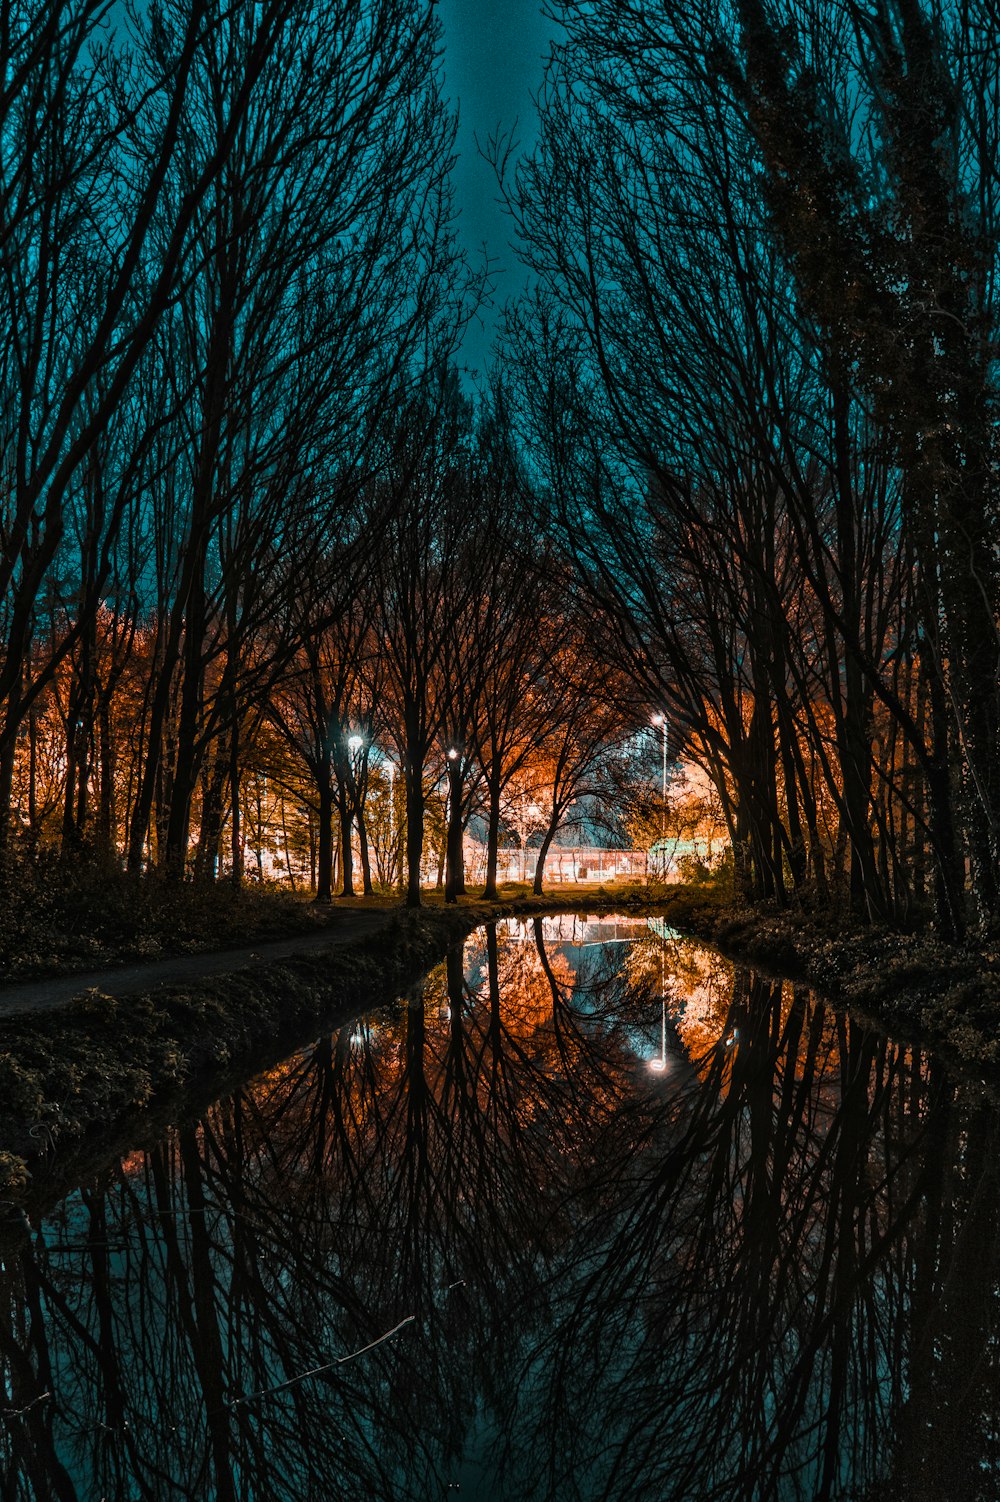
{"x":317,"y":1371}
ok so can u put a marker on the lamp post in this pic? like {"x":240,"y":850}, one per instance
{"x":353,"y":743}
{"x":660,"y":721}
{"x":390,"y":767}
{"x":454,"y":886}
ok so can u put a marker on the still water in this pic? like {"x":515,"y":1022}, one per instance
{"x":593,"y":1215}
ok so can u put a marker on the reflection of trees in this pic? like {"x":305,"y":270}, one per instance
{"x":747,"y":1314}
{"x":300,"y":1220}
{"x":697,"y":982}
{"x":734,"y":1285}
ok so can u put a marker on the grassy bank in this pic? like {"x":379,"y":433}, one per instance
{"x":63,"y":916}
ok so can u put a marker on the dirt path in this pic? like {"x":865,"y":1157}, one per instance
{"x":125,"y":980}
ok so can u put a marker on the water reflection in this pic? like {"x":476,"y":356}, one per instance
{"x":477,"y":1246}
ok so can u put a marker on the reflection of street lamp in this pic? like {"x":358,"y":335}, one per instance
{"x":660,"y":720}
{"x":660,"y":1064}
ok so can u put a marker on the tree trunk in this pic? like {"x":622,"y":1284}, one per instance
{"x":414,"y":831}
{"x":366,"y":855}
{"x":492,"y":838}
{"x":73,"y":734}
{"x":346,"y":812}
{"x":236,"y":823}
{"x":186,"y":765}
{"x":151,"y":780}
{"x":324,"y":861}
{"x":543,"y":851}
{"x":33,"y":772}
{"x":106,"y":799}
{"x":948,"y":881}
{"x":8,"y":749}
{"x":206,"y":860}
{"x":455,"y":972}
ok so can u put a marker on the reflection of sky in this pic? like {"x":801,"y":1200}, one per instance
{"x":493,"y":61}
{"x":580,"y":931}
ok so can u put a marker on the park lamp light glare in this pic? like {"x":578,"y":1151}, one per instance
{"x":659,"y":1064}
{"x":452,"y":753}
{"x":354,"y":744}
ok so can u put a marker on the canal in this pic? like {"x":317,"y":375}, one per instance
{"x":591,"y":1215}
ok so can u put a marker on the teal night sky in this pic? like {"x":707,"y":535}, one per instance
{"x":495,"y":52}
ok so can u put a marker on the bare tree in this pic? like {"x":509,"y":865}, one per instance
{"x":720,"y":423}
{"x":296,"y":326}
{"x":425,"y":583}
{"x":86,"y":161}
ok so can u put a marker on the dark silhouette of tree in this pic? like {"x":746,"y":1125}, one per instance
{"x":86,"y":166}
{"x":731,"y":380}
{"x":282,"y":340}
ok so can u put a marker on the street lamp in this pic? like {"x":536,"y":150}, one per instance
{"x":453,"y":773}
{"x":660,"y":721}
{"x":354,"y":744}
